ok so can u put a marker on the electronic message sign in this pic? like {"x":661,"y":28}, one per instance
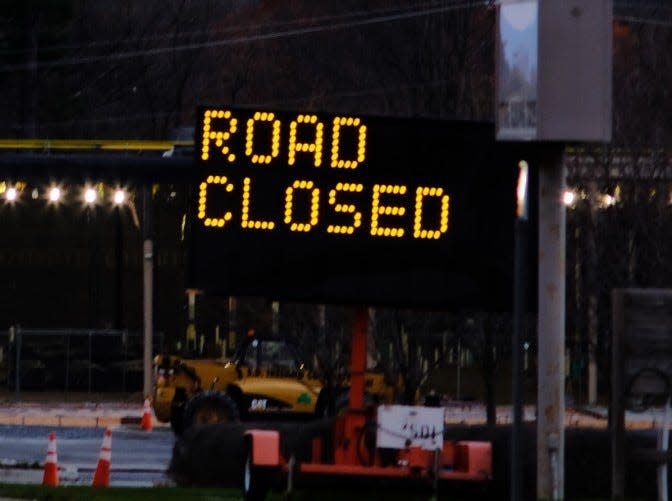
{"x":313,"y":207}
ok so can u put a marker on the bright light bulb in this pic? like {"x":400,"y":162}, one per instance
{"x":90,"y":196}
{"x":568,"y":197}
{"x":11,"y":194}
{"x":119,"y":197}
{"x":54,"y":194}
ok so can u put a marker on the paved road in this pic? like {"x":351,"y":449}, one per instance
{"x":138,"y":457}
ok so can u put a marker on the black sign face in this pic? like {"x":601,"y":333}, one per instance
{"x":324,"y":208}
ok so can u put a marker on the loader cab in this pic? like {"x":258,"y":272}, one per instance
{"x":266,"y":356}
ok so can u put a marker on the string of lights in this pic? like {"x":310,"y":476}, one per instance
{"x":89,"y":194}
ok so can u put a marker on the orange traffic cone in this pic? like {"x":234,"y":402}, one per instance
{"x":51,"y":464}
{"x":101,"y":478}
{"x":146,"y":422}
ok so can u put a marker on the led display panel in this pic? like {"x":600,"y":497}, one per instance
{"x":321,"y":208}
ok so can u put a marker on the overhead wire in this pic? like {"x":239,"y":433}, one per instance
{"x":618,"y":5}
{"x":117,"y":56}
{"x":388,"y":14}
{"x":629,"y":11}
{"x":344,"y":21}
{"x":276,"y":103}
{"x":443,"y":6}
{"x":234,"y":29}
{"x":643,"y":20}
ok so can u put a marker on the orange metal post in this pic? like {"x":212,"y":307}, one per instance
{"x":348,"y":429}
{"x":316,"y":450}
{"x":358,"y":357}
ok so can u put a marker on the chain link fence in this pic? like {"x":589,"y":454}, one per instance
{"x":619,"y":226}
{"x":72,"y":360}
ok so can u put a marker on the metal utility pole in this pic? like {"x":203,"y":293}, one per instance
{"x":233,"y":324}
{"x":568,"y":45}
{"x":148,"y":288}
{"x":551,"y":329}
{"x":119,"y":269}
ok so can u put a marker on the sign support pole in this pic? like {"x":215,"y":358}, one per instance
{"x":358,"y":359}
{"x":551,"y":330}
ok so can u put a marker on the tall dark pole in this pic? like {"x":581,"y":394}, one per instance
{"x":519,"y":307}
{"x":148,"y":287}
{"x":119,"y":269}
{"x":92,"y":268}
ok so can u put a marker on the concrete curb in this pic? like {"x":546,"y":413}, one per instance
{"x":79,"y":476}
{"x":65,"y":420}
{"x":59,"y":412}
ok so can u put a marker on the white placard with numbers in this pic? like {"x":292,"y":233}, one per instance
{"x":401,"y":426}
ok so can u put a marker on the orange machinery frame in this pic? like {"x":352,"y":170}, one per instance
{"x":457,"y":460}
